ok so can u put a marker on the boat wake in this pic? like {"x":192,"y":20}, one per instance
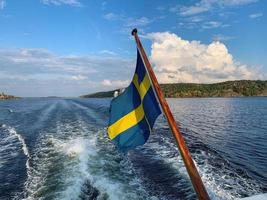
{"x":14,"y":161}
{"x":78,"y":162}
{"x":61,"y":151}
{"x":222,"y":180}
{"x":11,"y":141}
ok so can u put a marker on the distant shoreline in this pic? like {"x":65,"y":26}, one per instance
{"x":4,"y":96}
{"x":241,"y":88}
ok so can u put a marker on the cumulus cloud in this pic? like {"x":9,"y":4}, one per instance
{"x":177,"y":60}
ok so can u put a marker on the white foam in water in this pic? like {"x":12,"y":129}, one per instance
{"x":86,"y":150}
{"x":73,"y":156}
{"x":41,"y":161}
{"x":13,"y":133}
{"x":214,"y":181}
{"x":101,"y":180}
{"x":75,"y":147}
{"x":225,"y":183}
{"x":78,"y":148}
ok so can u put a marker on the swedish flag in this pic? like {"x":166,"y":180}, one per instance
{"x":133,"y":113}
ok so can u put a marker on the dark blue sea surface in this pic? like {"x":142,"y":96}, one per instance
{"x":53,"y":148}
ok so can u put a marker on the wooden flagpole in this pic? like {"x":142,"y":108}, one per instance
{"x":188,"y":161}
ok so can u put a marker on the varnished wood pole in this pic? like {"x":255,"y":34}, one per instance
{"x":188,"y":161}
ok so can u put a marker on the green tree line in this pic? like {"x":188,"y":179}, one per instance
{"x":223,"y":89}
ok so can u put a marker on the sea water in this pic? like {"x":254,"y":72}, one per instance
{"x":55,"y":148}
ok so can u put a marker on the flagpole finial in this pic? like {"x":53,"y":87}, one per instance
{"x":134,"y":31}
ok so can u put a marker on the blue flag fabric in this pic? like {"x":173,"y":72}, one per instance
{"x":133,"y":113}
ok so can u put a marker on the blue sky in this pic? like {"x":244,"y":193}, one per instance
{"x":75,"y":47}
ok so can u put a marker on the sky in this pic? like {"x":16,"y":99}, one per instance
{"x":74,"y":47}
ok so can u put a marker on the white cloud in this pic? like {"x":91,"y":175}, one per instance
{"x":2,"y":4}
{"x":115,"y":83}
{"x":195,"y":19}
{"x":78,"y":77}
{"x":127,"y":23}
{"x":178,"y":60}
{"x":111,"y":16}
{"x":200,"y":7}
{"x":62,"y":2}
{"x":106,"y":82}
{"x":220,"y":37}
{"x":142,"y":21}
{"x":53,"y":74}
{"x":108,"y":52}
{"x":211,"y":24}
{"x":30,"y":61}
{"x":237,"y":2}
{"x":207,"y":5}
{"x":255,"y":15}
